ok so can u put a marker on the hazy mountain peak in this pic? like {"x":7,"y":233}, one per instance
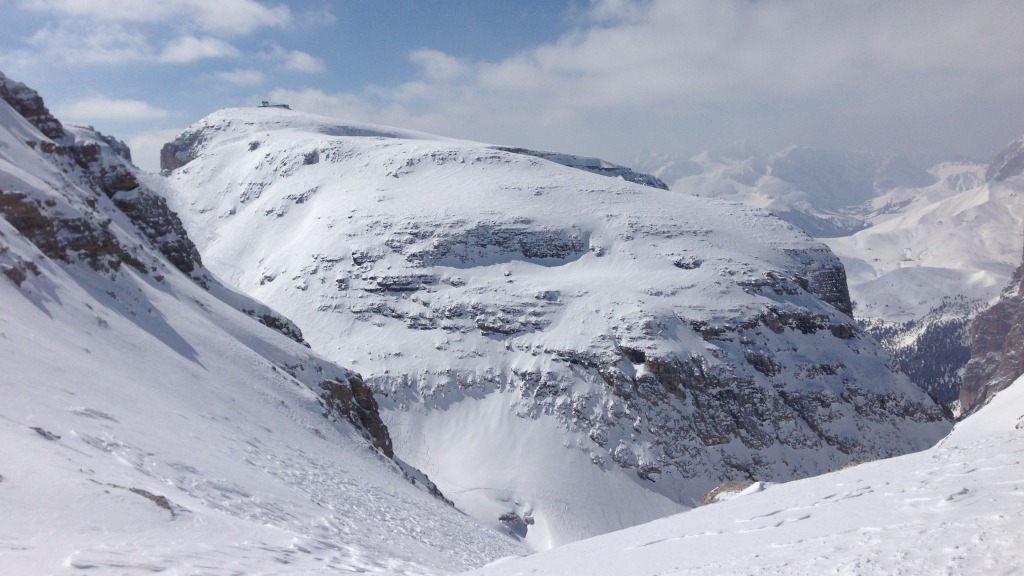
{"x":1008,"y":163}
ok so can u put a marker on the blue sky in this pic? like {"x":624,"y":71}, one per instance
{"x":927,"y":78}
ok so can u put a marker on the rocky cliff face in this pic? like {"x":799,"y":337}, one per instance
{"x":932,"y":350}
{"x":997,"y":334}
{"x":29,"y":105}
{"x":539,"y":336}
{"x":997,"y":347}
{"x":84,"y":203}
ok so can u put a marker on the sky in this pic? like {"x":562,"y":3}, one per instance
{"x":929,"y":79}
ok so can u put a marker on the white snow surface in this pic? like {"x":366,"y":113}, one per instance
{"x":147,"y":426}
{"x":956,"y":509}
{"x":961,"y":235}
{"x":476,"y":289}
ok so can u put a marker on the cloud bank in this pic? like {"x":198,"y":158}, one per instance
{"x":851,"y":73}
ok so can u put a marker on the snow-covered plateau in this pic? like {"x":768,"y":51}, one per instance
{"x":563,"y":353}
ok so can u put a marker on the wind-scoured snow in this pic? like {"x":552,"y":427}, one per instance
{"x":149,"y":426}
{"x":563,"y":353}
{"x":957,"y":508}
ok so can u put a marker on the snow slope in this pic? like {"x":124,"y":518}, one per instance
{"x":257,"y":480}
{"x":957,"y":508}
{"x":513,"y":313}
{"x":147,"y":425}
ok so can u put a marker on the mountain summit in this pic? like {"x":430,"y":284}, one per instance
{"x":541,"y":337}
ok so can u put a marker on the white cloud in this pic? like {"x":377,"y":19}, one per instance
{"x":437,"y":65}
{"x":106,"y":44}
{"x":857,"y":73}
{"x":238,"y":16}
{"x":294,"y":60}
{"x":219,"y":16}
{"x":189,"y":49}
{"x":96,"y":108}
{"x":242,"y":76}
{"x":302,"y":62}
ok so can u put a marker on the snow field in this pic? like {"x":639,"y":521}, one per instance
{"x":957,"y":508}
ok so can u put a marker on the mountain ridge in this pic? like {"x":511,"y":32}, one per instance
{"x":152,"y":423}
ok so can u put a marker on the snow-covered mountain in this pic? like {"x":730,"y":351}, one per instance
{"x":150,"y":423}
{"x":815,"y":190}
{"x":563,"y":353}
{"x":957,"y":508}
{"x":924,"y":250}
{"x":932,"y":258}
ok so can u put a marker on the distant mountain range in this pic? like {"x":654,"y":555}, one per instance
{"x":924,"y":250}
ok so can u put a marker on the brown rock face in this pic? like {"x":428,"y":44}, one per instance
{"x":997,"y":347}
{"x":29,"y":104}
{"x":181,"y":151}
{"x":66,"y":238}
{"x":354,"y":401}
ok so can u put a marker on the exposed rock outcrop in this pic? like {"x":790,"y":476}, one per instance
{"x":108,"y":162}
{"x":180,"y":151}
{"x":355,"y":402}
{"x":997,"y":347}
{"x":30,"y":106}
